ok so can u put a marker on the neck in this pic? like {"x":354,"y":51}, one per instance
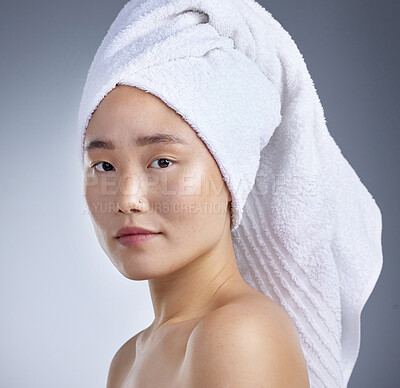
{"x":197,"y":288}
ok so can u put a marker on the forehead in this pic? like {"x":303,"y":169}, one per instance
{"x":124,"y":106}
{"x":128,"y":114}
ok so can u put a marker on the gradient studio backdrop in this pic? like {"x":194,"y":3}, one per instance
{"x":65,"y":309}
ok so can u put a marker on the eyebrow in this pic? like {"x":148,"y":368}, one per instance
{"x":141,"y":141}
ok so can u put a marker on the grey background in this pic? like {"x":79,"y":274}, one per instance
{"x":65,"y":309}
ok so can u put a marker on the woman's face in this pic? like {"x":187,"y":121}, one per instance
{"x":184,"y":198}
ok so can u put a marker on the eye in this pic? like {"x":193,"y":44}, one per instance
{"x":109,"y":167}
{"x":106,"y":166}
{"x":163,"y":162}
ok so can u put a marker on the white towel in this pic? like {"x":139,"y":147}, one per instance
{"x":306,"y":231}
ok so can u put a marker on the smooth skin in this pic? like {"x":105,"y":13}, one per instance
{"x":211,"y":329}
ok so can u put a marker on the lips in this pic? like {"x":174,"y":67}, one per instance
{"x":133,"y":230}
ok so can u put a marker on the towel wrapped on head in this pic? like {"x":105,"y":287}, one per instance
{"x":306,"y":231}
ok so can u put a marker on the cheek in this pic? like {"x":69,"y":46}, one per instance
{"x":99,"y":199}
{"x":194,"y":200}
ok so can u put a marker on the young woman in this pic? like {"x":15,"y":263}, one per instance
{"x":145,"y":167}
{"x":191,"y":111}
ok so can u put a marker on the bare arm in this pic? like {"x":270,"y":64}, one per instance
{"x":121,"y":363}
{"x":235,"y":349}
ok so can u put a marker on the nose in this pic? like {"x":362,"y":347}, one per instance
{"x":129,"y":197}
{"x":131,"y":206}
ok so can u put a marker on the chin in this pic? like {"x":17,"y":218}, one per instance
{"x":136,"y":270}
{"x":135,"y":276}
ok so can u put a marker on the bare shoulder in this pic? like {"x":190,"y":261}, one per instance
{"x":249,"y":342}
{"x":121,"y":363}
